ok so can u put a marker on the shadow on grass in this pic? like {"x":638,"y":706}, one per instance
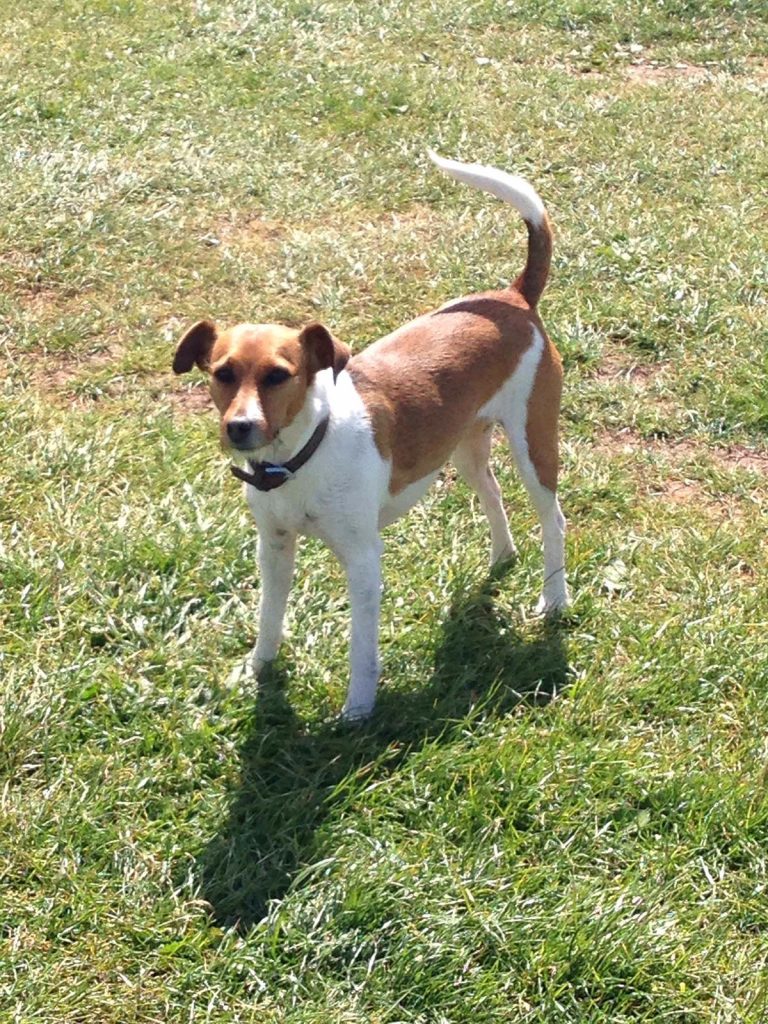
{"x":294,"y":775}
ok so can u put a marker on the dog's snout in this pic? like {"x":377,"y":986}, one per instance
{"x":240,"y":430}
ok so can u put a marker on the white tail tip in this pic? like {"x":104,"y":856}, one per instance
{"x":509,"y":187}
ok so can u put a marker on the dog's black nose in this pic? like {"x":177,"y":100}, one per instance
{"x":239,"y":429}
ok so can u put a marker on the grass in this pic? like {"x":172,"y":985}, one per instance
{"x":542,"y":823}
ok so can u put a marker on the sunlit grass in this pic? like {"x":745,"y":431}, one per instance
{"x":540,"y":824}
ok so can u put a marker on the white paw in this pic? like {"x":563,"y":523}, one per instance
{"x":258,"y":662}
{"x":504,"y":554}
{"x":552,"y":605}
{"x":356,"y":712}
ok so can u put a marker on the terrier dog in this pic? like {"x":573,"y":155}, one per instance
{"x":340,"y":446}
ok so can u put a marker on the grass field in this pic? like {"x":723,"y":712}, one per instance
{"x":548,"y":824}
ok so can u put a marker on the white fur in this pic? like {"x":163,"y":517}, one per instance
{"x":336,"y":496}
{"x":341,"y":494}
{"x":509,"y":187}
{"x":397,"y":505}
{"x":509,"y":406}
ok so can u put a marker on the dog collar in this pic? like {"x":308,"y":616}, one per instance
{"x":266,"y":476}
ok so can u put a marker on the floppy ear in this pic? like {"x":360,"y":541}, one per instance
{"x":195,"y":347}
{"x":323,"y":350}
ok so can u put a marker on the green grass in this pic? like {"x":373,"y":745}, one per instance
{"x":541,"y":824}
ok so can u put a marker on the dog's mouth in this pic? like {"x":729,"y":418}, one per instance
{"x":246,"y":451}
{"x":248,"y":454}
{"x":246,"y":440}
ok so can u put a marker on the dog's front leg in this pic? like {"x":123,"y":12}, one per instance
{"x":277,"y":554}
{"x":363,"y":568}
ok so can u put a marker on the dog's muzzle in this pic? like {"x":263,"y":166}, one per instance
{"x":245,"y":435}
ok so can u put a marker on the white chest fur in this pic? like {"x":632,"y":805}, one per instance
{"x":340,"y":490}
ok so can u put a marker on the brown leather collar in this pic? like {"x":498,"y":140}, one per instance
{"x":266,"y":476}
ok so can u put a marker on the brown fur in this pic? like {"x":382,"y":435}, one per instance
{"x":533,"y":279}
{"x":543,"y":408}
{"x":424,"y":384}
{"x":194,"y":347}
{"x":251,"y":352}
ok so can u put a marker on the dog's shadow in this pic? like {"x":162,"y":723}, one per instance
{"x":293,"y":775}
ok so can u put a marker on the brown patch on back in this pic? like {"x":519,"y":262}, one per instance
{"x":424,"y":383}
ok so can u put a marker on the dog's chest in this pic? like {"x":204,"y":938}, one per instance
{"x":293,"y":507}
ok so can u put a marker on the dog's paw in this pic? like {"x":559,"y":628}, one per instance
{"x":503,"y":561}
{"x":551,"y":606}
{"x":258,"y":663}
{"x":355,"y":715}
{"x":502,"y":556}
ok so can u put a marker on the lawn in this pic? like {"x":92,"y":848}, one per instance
{"x":561,"y":823}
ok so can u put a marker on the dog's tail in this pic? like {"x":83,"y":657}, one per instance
{"x":526,"y":201}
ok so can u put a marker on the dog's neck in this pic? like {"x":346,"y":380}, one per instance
{"x":292,"y":438}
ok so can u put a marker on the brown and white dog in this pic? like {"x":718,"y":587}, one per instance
{"x":339,"y":446}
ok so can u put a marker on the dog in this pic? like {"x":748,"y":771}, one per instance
{"x":339,"y":446}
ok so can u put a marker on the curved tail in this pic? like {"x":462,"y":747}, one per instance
{"x":525,"y":199}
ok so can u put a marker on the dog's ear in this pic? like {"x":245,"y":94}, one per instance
{"x":195,"y":347}
{"x":323,"y":350}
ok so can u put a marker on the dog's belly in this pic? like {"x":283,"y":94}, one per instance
{"x":398,"y":504}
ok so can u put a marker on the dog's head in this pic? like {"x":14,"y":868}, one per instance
{"x":260,"y":374}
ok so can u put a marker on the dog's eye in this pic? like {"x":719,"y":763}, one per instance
{"x":276,"y":376}
{"x":225,"y":375}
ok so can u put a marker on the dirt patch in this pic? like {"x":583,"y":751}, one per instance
{"x":619,"y":365}
{"x":192,"y":400}
{"x":37,"y":299}
{"x":46,"y":303}
{"x":58,"y":371}
{"x":656,"y":74}
{"x":253,"y":231}
{"x":417,"y":215}
{"x":649,"y":72}
{"x":678,"y":482}
{"x":65,"y":379}
{"x":680,"y":489}
{"x":256,"y":231}
{"x":751,"y":73}
{"x":741,"y":457}
{"x":682,"y":451}
{"x":681,"y":492}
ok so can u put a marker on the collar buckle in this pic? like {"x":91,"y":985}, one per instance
{"x":271,"y":468}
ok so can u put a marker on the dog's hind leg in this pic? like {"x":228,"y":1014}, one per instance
{"x":471,"y":460}
{"x":531,"y":426}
